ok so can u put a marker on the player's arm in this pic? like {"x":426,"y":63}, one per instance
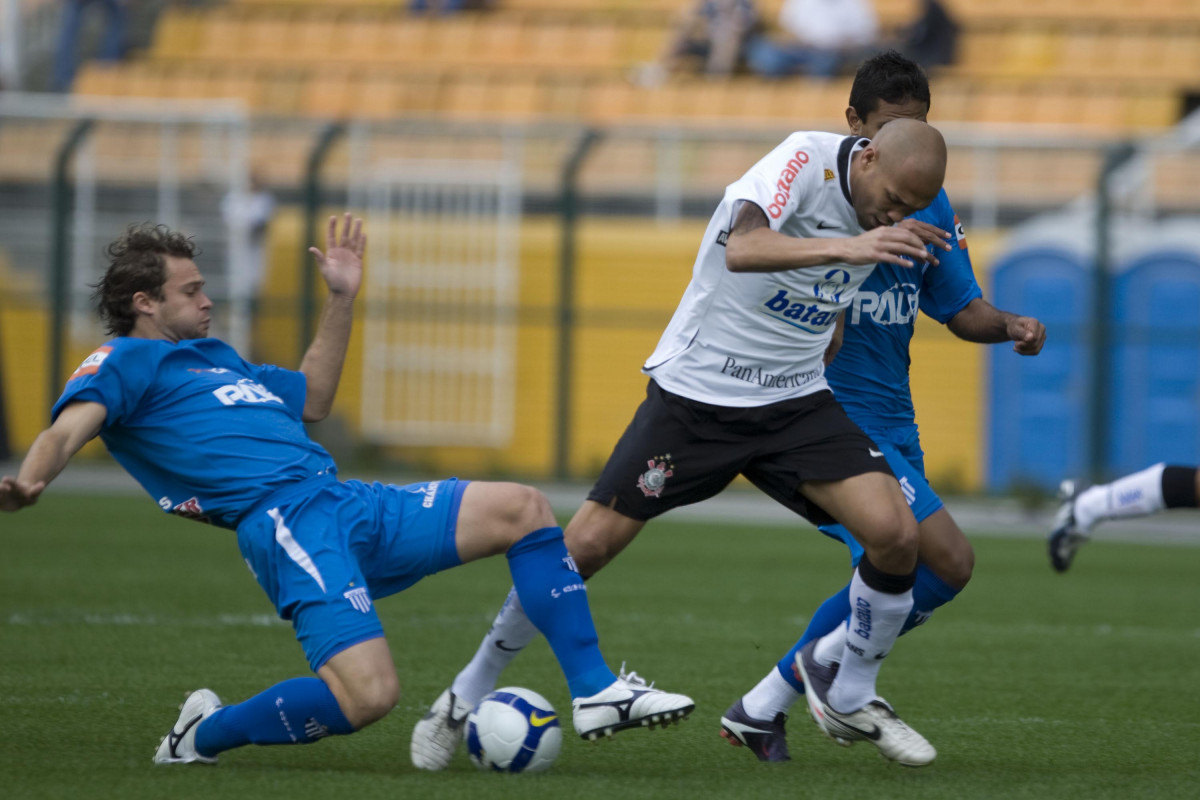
{"x":753,"y":247}
{"x":77,"y":424}
{"x":341,"y":267}
{"x":982,"y":322}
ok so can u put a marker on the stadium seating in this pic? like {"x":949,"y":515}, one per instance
{"x":1095,"y":65}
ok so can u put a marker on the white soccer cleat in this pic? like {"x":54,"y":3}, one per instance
{"x":1068,"y":536}
{"x":878,"y":724}
{"x":875,"y":722}
{"x":179,"y":745}
{"x":628,"y":703}
{"x":438,"y":734}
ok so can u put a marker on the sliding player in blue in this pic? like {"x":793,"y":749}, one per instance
{"x":217,"y":439}
{"x":869,"y":378}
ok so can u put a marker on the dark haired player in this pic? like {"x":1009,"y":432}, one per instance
{"x":737,"y":386}
{"x":869,"y":377}
{"x":215,"y":438}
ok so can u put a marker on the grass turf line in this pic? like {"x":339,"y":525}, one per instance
{"x":1031,"y":684}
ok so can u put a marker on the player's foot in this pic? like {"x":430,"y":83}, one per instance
{"x":628,"y":703}
{"x":179,"y":745}
{"x":438,"y":734}
{"x":817,"y":679}
{"x":875,"y":722}
{"x":1067,"y":536}
{"x":765,"y":738}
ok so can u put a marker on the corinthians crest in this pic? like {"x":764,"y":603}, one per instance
{"x":653,"y":480}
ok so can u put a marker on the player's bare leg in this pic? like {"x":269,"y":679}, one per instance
{"x":840,"y":669}
{"x":623,"y":702}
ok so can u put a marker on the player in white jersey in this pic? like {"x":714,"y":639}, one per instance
{"x":1141,"y":494}
{"x":737,"y":387}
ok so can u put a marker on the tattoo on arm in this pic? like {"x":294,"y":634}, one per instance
{"x":750,"y":217}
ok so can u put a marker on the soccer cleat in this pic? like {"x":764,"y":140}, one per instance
{"x":817,"y":679}
{"x":628,"y":703}
{"x":1067,"y":537}
{"x":767,"y":739}
{"x":875,"y":722}
{"x":438,"y":734}
{"x":179,"y":745}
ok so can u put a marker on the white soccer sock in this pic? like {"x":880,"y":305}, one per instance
{"x":509,"y":635}
{"x":829,"y":648}
{"x":1134,"y":495}
{"x":875,"y":621}
{"x":771,"y":696}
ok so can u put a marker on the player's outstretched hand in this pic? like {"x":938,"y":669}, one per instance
{"x":893,"y":244}
{"x":342,"y":262}
{"x":929,"y":234}
{"x":1027,"y":334}
{"x":15,"y":494}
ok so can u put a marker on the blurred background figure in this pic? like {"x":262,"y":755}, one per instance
{"x":932,"y":38}
{"x":713,"y":33}
{"x":821,"y":38}
{"x":112,"y":42}
{"x":247,"y":217}
{"x":448,"y":6}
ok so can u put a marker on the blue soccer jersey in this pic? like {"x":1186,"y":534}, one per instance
{"x":207,"y":434}
{"x":869,"y":376}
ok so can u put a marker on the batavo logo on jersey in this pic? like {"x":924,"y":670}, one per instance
{"x":91,"y":364}
{"x":960,"y":234}
{"x":784,"y":185}
{"x":815,"y":317}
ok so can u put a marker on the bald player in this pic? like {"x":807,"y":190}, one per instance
{"x":737,"y":387}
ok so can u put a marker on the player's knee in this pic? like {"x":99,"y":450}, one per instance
{"x":371,"y":698}
{"x":522,"y":510}
{"x":891,"y":540}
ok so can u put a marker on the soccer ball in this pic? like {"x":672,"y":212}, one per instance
{"x":513,"y":730}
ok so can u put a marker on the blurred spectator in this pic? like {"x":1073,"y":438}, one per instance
{"x":112,"y":43}
{"x":448,"y":6}
{"x":932,"y":38}
{"x":712,"y":31}
{"x":247,"y":216}
{"x":822,"y":37}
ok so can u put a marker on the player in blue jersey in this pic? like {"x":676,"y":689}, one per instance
{"x":217,"y":439}
{"x":869,"y":377}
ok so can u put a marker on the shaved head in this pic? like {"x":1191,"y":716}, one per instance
{"x":914,"y":153}
{"x":900,"y":172}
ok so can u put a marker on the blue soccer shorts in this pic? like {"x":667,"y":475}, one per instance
{"x":902,"y":448}
{"x":325,"y":550}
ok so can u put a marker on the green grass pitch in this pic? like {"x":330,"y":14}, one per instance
{"x":1031,"y":684}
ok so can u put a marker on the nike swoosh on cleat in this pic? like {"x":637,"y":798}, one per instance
{"x":872,"y":734}
{"x":173,"y":738}
{"x":737,"y":728}
{"x":538,"y":721}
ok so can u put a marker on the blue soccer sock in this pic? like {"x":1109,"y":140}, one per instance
{"x":929,"y":592}
{"x":829,"y":615}
{"x":555,"y":600}
{"x":297,"y":711}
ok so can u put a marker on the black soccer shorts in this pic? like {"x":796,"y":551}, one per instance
{"x":678,"y":451}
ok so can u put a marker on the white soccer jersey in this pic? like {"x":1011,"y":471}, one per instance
{"x":749,"y":339}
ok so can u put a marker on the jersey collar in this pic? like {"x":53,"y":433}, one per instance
{"x":845,"y":150}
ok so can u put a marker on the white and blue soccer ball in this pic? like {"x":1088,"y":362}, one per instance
{"x":513,"y":730}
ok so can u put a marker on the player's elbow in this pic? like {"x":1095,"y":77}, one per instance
{"x":738,"y":256}
{"x":315,"y":412}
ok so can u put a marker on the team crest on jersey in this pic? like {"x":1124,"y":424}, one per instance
{"x":830,"y":288}
{"x":91,"y":364}
{"x":654,"y":480}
